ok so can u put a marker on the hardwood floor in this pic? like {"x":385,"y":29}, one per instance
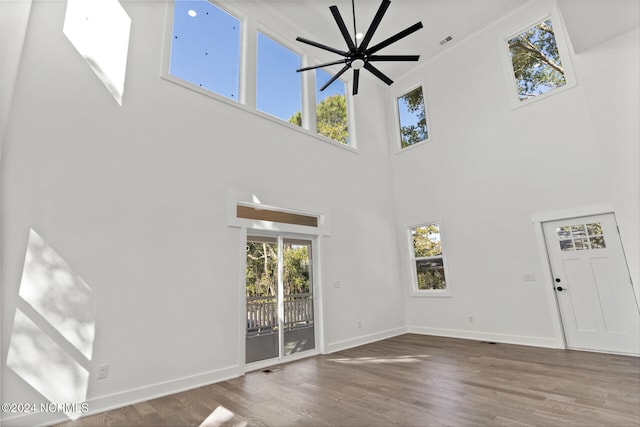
{"x":410,"y":380}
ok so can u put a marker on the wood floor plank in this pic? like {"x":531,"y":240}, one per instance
{"x":410,"y":380}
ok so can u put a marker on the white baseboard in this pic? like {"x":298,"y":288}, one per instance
{"x":488,"y":336}
{"x":125,"y":398}
{"x":366,"y":339}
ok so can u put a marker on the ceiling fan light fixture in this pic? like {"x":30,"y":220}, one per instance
{"x":360,"y":55}
{"x":357,"y":64}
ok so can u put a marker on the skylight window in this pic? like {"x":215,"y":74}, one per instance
{"x":278,"y":86}
{"x":205,"y":47}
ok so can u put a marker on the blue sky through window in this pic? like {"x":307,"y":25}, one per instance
{"x":278,"y":85}
{"x":337,"y":87}
{"x":205,"y":48}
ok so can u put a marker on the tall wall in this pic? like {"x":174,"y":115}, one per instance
{"x":489,"y":169}
{"x":134,"y":198}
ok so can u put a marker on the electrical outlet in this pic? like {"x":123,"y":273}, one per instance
{"x":103,"y":371}
{"x":471,"y":319}
{"x":359,"y":323}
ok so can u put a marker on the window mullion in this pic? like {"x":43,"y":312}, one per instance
{"x":308,"y":98}
{"x":249,"y":62}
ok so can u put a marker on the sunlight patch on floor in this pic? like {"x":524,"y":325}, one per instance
{"x":221,"y":416}
{"x":381,"y":360}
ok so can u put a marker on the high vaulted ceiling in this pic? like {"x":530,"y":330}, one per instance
{"x":441,"y":18}
{"x":588,"y":22}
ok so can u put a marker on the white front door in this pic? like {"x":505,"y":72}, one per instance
{"x":592,"y":283}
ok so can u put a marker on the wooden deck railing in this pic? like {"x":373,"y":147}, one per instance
{"x":262,"y":313}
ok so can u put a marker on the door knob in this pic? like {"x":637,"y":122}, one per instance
{"x":557,"y":280}
{"x":560,"y":289}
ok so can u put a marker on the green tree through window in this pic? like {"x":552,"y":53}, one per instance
{"x":413,"y":119}
{"x":536,"y":61}
{"x":428,"y":258}
{"x":331,"y":116}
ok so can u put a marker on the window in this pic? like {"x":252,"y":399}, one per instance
{"x":428,"y":259}
{"x":535,"y":60}
{"x":331,"y":108}
{"x":278,"y":86}
{"x":412,"y":118}
{"x":210,"y":52}
{"x":205,"y":47}
{"x":581,"y":237}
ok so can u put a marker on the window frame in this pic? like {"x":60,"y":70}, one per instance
{"x":414,"y":291}
{"x":250,"y":26}
{"x":396,"y":126}
{"x":267,"y":32}
{"x":564,"y":51}
{"x":242,"y":63}
{"x":348,"y":84}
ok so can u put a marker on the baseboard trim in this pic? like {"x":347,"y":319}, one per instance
{"x":487,"y":336}
{"x":365,"y":339}
{"x":129,"y":397}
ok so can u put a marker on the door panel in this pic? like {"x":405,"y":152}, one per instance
{"x":261,"y":294}
{"x":298,"y":326}
{"x":593,"y":287}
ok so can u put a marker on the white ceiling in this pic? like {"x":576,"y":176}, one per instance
{"x":441,"y":18}
{"x":588,"y":22}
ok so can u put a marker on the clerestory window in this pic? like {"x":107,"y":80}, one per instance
{"x":535,"y":61}
{"x":209,"y":52}
{"x":205,"y":47}
{"x":412,"y":118}
{"x":331,"y":108}
{"x":278,"y":88}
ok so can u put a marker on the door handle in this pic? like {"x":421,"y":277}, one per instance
{"x":560,"y":289}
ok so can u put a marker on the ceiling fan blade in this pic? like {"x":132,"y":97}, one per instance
{"x":402,"y":34}
{"x":379,"y":74}
{"x":343,"y":28}
{"x":356,"y":79}
{"x":333,"y":79}
{"x":326,"y":64}
{"x":322,"y":46}
{"x":394,"y":58}
{"x":374,"y":24}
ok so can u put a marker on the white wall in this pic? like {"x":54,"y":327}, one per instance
{"x":134,"y":198}
{"x":14,"y":17}
{"x":490,"y":167}
{"x":609,"y":73}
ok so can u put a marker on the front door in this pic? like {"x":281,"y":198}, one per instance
{"x":593,"y":288}
{"x":279,"y":294}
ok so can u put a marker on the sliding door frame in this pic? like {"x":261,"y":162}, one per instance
{"x":316,"y":249}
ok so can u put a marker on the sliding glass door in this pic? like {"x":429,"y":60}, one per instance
{"x":279,"y":293}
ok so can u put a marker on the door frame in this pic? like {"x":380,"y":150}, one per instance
{"x":248,"y":227}
{"x":252,"y":366}
{"x":538,"y":219}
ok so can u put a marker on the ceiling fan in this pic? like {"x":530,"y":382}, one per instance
{"x":361,"y":56}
